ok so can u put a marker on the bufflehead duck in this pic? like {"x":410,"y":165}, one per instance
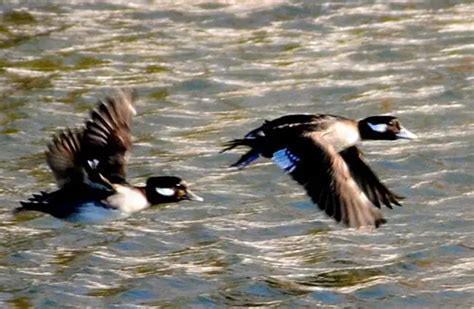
{"x":320,"y":153}
{"x":89,"y":166}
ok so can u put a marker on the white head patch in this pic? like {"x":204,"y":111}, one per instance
{"x":165,"y":191}
{"x":382,"y":127}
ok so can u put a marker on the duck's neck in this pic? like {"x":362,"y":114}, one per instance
{"x":342,"y":135}
{"x":128,"y":199}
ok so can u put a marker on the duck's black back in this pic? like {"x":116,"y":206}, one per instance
{"x":298,"y":122}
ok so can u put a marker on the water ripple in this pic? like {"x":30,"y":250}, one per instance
{"x":207,"y":72}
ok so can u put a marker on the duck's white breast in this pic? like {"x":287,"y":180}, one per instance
{"x":128,"y":199}
{"x":341,"y":135}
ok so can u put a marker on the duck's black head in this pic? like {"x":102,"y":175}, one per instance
{"x":168,"y":189}
{"x":383,"y":128}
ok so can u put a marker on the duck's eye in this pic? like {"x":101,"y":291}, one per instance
{"x":165,"y":191}
{"x":181,"y":193}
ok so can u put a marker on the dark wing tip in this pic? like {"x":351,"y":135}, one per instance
{"x":379,"y":222}
{"x":33,"y":203}
{"x":368,"y":181}
{"x":115,"y":110}
{"x":107,"y":134}
{"x":247,"y":158}
{"x":395,"y":198}
{"x":21,"y":209}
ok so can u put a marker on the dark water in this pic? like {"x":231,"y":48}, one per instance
{"x":210,"y":71}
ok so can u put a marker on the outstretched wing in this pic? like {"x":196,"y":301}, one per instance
{"x":63,"y":157}
{"x":368,"y":181}
{"x":324,"y":174}
{"x":107,"y":136}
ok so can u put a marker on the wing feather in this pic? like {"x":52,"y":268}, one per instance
{"x":327,"y":180}
{"x":63,"y":157}
{"x":107,"y":136}
{"x":367,"y":180}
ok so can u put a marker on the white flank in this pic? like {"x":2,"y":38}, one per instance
{"x":128,"y":199}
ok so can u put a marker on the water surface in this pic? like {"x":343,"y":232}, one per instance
{"x":207,"y":72}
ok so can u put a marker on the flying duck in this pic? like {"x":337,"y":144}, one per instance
{"x":89,"y":165}
{"x":319,"y":152}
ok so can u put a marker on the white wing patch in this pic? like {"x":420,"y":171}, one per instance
{"x":382,"y":127}
{"x":165,"y":191}
{"x":93,"y":163}
{"x":285,"y":160}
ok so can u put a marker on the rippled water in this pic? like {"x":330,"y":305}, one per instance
{"x":210,"y":71}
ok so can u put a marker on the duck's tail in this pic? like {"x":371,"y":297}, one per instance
{"x":252,"y":155}
{"x":37,"y":202}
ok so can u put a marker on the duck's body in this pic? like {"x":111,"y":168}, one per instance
{"x":319,"y":152}
{"x":90,"y":169}
{"x":84,"y":203}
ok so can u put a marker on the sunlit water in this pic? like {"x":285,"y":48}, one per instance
{"x":207,"y":72}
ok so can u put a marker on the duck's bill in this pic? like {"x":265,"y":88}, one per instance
{"x":404,"y":133}
{"x":190,"y":195}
